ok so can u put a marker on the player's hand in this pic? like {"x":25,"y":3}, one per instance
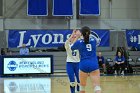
{"x":73,"y":35}
{"x":74,"y":31}
{"x":78,"y":33}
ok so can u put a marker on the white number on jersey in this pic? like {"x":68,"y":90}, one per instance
{"x":89,"y":47}
{"x":73,"y":53}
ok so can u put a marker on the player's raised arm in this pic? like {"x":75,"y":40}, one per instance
{"x":70,"y":39}
{"x":76,"y":36}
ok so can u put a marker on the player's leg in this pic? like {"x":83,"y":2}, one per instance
{"x":116,"y":68}
{"x":83,"y":79}
{"x":76,"y":71}
{"x":119,"y":69}
{"x":95,"y":77}
{"x":70,"y":72}
{"x":104,"y":67}
{"x":122,"y":68}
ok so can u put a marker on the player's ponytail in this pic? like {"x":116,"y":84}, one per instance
{"x":86,"y":32}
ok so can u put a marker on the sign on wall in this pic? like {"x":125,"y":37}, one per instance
{"x":37,"y":7}
{"x":48,"y":38}
{"x":89,"y":7}
{"x":133,"y":38}
{"x":63,"y":9}
{"x":27,"y":65}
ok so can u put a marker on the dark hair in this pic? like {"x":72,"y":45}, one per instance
{"x":120,"y":49}
{"x":120,"y":52}
{"x":85,"y":32}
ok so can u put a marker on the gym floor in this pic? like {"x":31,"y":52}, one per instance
{"x":60,"y":84}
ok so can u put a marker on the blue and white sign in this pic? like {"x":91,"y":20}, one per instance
{"x":38,"y":38}
{"x":133,"y":38}
{"x":27,"y":85}
{"x":15,"y":65}
{"x":104,"y":36}
{"x":48,"y":38}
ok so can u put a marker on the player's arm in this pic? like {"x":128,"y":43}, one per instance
{"x":75,"y":46}
{"x":103,"y":62}
{"x":116,"y":60}
{"x":76,"y":36}
{"x":70,"y":40}
{"x":123,"y":60}
{"x":104,"y":66}
{"x":67,"y":43}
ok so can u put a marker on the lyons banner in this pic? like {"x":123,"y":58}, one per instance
{"x":49,"y":38}
{"x":133,"y":38}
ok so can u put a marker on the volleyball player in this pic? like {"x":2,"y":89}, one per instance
{"x":88,"y":60}
{"x":101,"y":61}
{"x":72,"y":65}
{"x":119,"y":63}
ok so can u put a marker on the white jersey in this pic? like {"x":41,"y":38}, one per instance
{"x":72,"y":56}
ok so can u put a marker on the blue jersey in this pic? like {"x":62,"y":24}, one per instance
{"x":88,"y":58}
{"x":86,"y":51}
{"x":119,"y":59}
{"x":100,"y":60}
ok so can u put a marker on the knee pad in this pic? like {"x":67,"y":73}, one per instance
{"x":72,"y":84}
{"x":97,"y":88}
{"x":82,"y":88}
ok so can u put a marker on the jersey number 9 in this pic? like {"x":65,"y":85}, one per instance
{"x":88,"y":46}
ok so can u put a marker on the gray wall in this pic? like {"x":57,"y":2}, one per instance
{"x":123,"y":9}
{"x":1,"y":24}
{"x":1,"y":7}
{"x":139,"y":7}
{"x":2,"y":39}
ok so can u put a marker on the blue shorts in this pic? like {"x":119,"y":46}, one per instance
{"x":88,"y":66}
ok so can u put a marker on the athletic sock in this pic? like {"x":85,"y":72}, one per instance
{"x":78,"y":88}
{"x":72,"y":89}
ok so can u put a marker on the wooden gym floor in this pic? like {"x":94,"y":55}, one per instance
{"x":59,"y":84}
